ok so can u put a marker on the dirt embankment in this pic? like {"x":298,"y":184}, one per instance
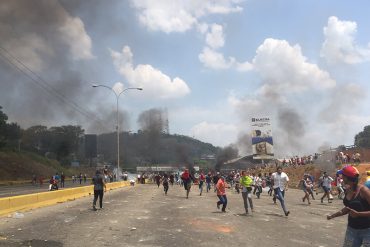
{"x":21,"y":166}
{"x":296,"y":173}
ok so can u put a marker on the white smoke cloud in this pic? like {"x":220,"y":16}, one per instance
{"x":215,"y":133}
{"x":73,"y":33}
{"x":284,"y":68}
{"x":156,"y":84}
{"x":340,"y":45}
{"x":180,"y":16}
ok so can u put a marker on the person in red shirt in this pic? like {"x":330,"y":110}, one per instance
{"x":221,"y":194}
{"x":187,"y":179}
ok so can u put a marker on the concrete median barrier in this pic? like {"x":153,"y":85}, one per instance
{"x":31,"y":201}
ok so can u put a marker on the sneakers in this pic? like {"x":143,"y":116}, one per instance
{"x":322,"y":200}
{"x":94,"y":208}
{"x":287,"y":213}
{"x":218,"y":206}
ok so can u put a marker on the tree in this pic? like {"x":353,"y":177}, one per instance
{"x":362,"y":139}
{"x":3,"y":119}
{"x":65,"y":140}
{"x":9,"y":133}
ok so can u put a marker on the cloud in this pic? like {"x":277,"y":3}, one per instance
{"x":215,"y":133}
{"x":155,"y":83}
{"x":340,"y":45}
{"x":215,"y":38}
{"x":180,"y":16}
{"x":215,"y":60}
{"x":284,"y":68}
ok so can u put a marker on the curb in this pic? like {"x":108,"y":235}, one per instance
{"x":23,"y":203}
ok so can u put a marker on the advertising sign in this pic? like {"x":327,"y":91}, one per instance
{"x":262,"y":144}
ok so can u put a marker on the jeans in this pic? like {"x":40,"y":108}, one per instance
{"x":357,"y":237}
{"x":201,"y":187}
{"x":208,"y":187}
{"x":223,"y":201}
{"x":280,"y":196}
{"x":98,"y":193}
{"x":247,"y":197}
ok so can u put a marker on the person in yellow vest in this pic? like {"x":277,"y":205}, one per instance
{"x":246,"y":183}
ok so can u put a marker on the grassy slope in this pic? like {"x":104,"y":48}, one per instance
{"x":15,"y":166}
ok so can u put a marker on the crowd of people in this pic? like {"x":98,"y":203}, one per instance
{"x":355,"y":196}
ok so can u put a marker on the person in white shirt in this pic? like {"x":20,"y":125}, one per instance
{"x":326,"y":186}
{"x":280,"y":184}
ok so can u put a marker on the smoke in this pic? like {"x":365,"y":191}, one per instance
{"x":225,"y":154}
{"x":49,"y":45}
{"x":290,"y":131}
{"x":244,"y":144}
{"x":106,"y":121}
{"x":153,"y":120}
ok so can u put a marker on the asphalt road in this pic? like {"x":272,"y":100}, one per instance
{"x":143,"y":216}
{"x":23,"y":189}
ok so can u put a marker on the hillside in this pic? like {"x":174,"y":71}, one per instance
{"x":20,"y":166}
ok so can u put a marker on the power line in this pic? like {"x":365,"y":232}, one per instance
{"x":15,"y":63}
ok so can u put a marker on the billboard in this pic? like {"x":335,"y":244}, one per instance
{"x":262,"y":144}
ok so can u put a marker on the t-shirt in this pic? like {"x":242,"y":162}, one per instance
{"x":98,"y":182}
{"x":280,"y":180}
{"x":221,"y":187}
{"x":326,"y":182}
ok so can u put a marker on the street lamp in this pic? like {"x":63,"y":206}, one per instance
{"x":117,"y":126}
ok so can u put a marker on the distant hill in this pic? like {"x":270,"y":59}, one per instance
{"x":153,"y":148}
{"x":136,"y":149}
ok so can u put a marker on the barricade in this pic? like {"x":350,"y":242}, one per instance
{"x":31,"y":201}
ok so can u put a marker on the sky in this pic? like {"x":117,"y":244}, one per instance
{"x":211,"y":64}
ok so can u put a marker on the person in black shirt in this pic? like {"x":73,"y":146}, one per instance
{"x":357,"y":206}
{"x":99,"y":188}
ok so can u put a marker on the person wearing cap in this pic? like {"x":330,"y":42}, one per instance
{"x":99,"y":185}
{"x":221,"y":194}
{"x":357,"y":206}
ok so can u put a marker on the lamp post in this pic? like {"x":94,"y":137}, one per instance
{"x":117,"y":126}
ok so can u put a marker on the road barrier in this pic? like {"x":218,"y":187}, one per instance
{"x":31,"y":201}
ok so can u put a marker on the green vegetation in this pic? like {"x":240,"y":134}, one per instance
{"x":362,"y":139}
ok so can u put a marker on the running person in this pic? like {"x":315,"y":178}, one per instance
{"x":258,"y":184}
{"x":326,"y":186}
{"x":208,"y":181}
{"x":246,"y":185}
{"x":280,"y":184}
{"x":201,"y":182}
{"x":357,"y":206}
{"x":186,"y":179}
{"x":306,"y":187}
{"x":165,"y":182}
{"x":221,"y":194}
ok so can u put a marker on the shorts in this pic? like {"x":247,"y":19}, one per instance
{"x":326,"y":189}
